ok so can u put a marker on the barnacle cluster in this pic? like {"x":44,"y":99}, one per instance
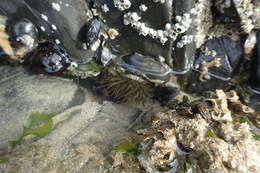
{"x":170,"y":31}
{"x":122,"y":4}
{"x":209,"y":135}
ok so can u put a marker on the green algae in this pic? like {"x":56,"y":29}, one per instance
{"x":40,"y":125}
{"x":241,"y":120}
{"x":211,"y":133}
{"x":3,"y":160}
{"x":179,"y":105}
{"x":129,"y":147}
{"x":93,"y":66}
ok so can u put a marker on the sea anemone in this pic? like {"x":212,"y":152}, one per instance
{"x":124,"y":89}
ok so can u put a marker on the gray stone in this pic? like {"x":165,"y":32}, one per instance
{"x":84,"y":132}
{"x":21,"y":94}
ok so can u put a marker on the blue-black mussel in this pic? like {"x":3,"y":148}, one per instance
{"x":50,"y":58}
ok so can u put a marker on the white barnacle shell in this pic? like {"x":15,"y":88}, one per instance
{"x":122,"y":4}
{"x":143,"y":7}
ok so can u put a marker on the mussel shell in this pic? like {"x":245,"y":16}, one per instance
{"x":23,"y":33}
{"x":50,"y":58}
{"x":22,"y":27}
{"x":90,"y":32}
{"x":145,"y":66}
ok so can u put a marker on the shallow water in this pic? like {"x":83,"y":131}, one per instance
{"x":86,"y":128}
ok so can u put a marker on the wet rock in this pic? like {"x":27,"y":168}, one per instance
{"x":55,"y":21}
{"x":183,"y":57}
{"x":230,"y":53}
{"x":129,"y":40}
{"x":215,"y":65}
{"x":255,"y":73}
{"x":80,"y":143}
{"x":84,"y":130}
{"x":21,"y":94}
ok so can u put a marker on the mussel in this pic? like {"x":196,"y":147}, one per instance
{"x":90,"y":33}
{"x":50,"y":58}
{"x":145,"y":66}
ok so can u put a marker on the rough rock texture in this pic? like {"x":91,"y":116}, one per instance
{"x":213,"y":135}
{"x":85,"y":130}
{"x":21,"y":94}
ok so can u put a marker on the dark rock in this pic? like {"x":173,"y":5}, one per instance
{"x":254,"y":80}
{"x":182,"y":58}
{"x":62,"y":24}
{"x":129,"y":39}
{"x":165,"y":93}
{"x":230,"y":53}
{"x":227,"y":16}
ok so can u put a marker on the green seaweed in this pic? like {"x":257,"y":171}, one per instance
{"x":3,"y":160}
{"x":131,"y":148}
{"x":241,"y":120}
{"x":257,"y":137}
{"x":40,"y":125}
{"x":93,"y":66}
{"x":183,"y":167}
{"x":179,"y":105}
{"x":211,"y":133}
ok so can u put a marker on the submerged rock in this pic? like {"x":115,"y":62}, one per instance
{"x":23,"y":93}
{"x":83,"y":130}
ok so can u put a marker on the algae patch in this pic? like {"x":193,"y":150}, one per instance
{"x":3,"y":160}
{"x":211,"y":133}
{"x":179,"y":105}
{"x":40,"y":125}
{"x":131,"y":148}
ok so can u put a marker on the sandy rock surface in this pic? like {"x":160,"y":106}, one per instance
{"x":85,"y":131}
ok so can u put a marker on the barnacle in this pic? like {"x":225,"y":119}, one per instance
{"x":205,"y":68}
{"x":210,"y":143}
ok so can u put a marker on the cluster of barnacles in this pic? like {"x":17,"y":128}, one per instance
{"x":175,"y":133}
{"x":171,"y":31}
{"x":246,"y":10}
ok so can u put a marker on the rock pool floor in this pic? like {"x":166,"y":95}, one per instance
{"x":85,"y":131}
